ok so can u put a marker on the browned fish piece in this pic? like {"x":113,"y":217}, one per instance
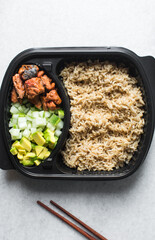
{"x":34,"y":87}
{"x":14,"y":97}
{"x":48,"y":82}
{"x":40,"y":73}
{"x":28,"y":71}
{"x":36,"y":101}
{"x":19,"y":86}
{"x":44,"y":103}
{"x":53,"y":96}
{"x":51,"y":105}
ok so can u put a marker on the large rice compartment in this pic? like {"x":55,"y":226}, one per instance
{"x":107,"y":115}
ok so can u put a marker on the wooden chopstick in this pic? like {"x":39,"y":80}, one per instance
{"x":67,"y":221}
{"x":79,"y":221}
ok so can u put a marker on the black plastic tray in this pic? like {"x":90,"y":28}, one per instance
{"x":53,"y":60}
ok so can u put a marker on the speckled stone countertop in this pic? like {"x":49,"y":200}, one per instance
{"x":122,"y":210}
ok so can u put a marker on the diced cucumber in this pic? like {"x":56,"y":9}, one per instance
{"x":39,"y":122}
{"x":21,"y":114}
{"x":33,"y":130}
{"x":10,"y":124}
{"x":58,"y":132}
{"x":20,"y":109}
{"x":29,"y":118}
{"x":26,"y":110}
{"x":60,"y":125}
{"x":13,"y":110}
{"x":35,"y":114}
{"x":22,"y":125}
{"x":29,"y":126}
{"x":41,"y":114}
{"x":50,"y":126}
{"x":16,"y":137}
{"x":47,"y":114}
{"x":29,"y":113}
{"x":61,"y":113}
{"x":15,"y":116}
{"x":54,"y":120}
{"x":26,"y":133}
{"x":14,"y":132}
{"x":14,"y":121}
{"x":21,"y":119}
{"x":33,"y":109}
{"x":17,"y":105}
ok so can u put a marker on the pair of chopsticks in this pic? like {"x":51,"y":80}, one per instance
{"x":80,"y":230}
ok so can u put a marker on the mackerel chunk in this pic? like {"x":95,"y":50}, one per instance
{"x":34,"y":87}
{"x":19,"y":86}
{"x":28,"y":71}
{"x":14,"y":97}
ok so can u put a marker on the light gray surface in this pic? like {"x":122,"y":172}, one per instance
{"x":123,"y":210}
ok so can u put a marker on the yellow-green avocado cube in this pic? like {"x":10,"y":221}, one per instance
{"x":49,"y":136}
{"x":44,"y":154}
{"x":30,"y":155}
{"x":38,"y":138}
{"x":38,"y":149}
{"x":26,"y":144}
{"x":13,"y":150}
{"x":27,"y":162}
{"x":22,"y":151}
{"x":20,"y":156}
{"x":17,"y":145}
{"x":37,"y":162}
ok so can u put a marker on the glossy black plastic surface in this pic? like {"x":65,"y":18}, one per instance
{"x":53,"y":60}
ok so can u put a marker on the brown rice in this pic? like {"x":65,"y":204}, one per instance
{"x":106,"y":115}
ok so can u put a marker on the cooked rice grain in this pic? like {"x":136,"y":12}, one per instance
{"x":106,"y":115}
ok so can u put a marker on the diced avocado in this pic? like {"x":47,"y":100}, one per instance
{"x":13,"y":150}
{"x":20,"y":156}
{"x":49,"y":136}
{"x":27,"y":162}
{"x":42,"y":155}
{"x":38,"y":149}
{"x":47,"y":154}
{"x":61,"y":113}
{"x":26,"y":144}
{"x":54,"y":120}
{"x":52,"y":145}
{"x":37,"y":162}
{"x":38,"y":138}
{"x":31,"y":138}
{"x":29,"y":155}
{"x":33,"y":145}
{"x":17,"y":145}
{"x":22,"y":151}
